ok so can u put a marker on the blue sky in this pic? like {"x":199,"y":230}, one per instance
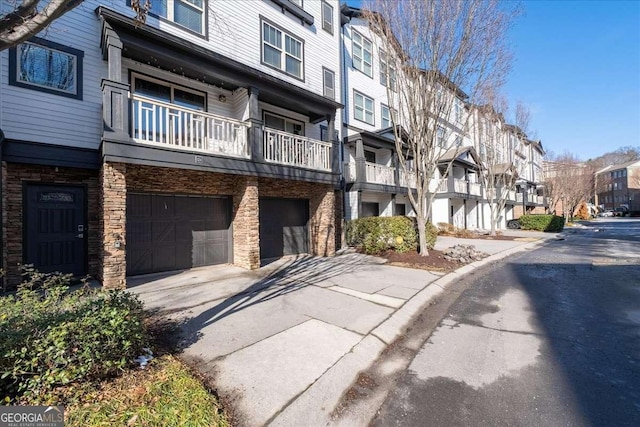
{"x":577,"y":65}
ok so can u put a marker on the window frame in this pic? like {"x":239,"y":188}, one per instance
{"x":14,"y":63}
{"x":134,"y":75}
{"x":388,"y":74}
{"x":382,"y":119}
{"x":283,"y":49}
{"x":323,"y":14}
{"x":364,"y":110}
{"x":205,"y":19}
{"x":353,"y":62}
{"x":286,"y":119}
{"x":325,"y":70}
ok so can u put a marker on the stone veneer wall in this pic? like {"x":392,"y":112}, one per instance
{"x":14,"y":177}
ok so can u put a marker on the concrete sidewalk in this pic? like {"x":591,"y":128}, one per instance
{"x":284,"y":342}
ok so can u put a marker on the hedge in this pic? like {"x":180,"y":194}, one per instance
{"x":51,"y":336}
{"x":376,"y":234}
{"x":552,"y":223}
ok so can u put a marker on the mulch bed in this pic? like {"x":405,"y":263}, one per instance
{"x":435,"y":261}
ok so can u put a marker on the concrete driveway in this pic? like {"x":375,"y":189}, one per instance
{"x":284,"y":342}
{"x":267,"y":335}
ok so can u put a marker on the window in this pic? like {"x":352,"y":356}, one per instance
{"x":458,"y":112}
{"x":363,"y":108}
{"x":187,"y":13}
{"x":385,"y":114}
{"x":285,"y":124}
{"x":48,"y":67}
{"x":370,"y":156}
{"x":329,"y":82}
{"x":440,"y":136}
{"x":289,"y":59}
{"x":387,"y":72}
{"x":324,"y":133}
{"x":624,"y":172}
{"x":362,"y":57}
{"x":327,"y":17}
{"x":458,"y":141}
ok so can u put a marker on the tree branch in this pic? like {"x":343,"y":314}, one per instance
{"x":25,"y":21}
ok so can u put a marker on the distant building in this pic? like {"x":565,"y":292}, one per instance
{"x":619,"y":186}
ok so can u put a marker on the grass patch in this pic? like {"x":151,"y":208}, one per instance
{"x":163,"y":394}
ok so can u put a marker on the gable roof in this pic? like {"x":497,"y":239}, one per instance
{"x":466,"y":155}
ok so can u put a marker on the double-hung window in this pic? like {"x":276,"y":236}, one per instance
{"x":363,"y":110}
{"x":385,"y":115}
{"x":387,"y":72}
{"x":361,"y":52}
{"x":327,"y":17}
{"x":441,"y":136}
{"x":329,"y":83}
{"x":282,"y":51}
{"x":187,"y":13}
{"x":48,"y":67}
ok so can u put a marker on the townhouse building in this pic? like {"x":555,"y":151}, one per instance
{"x":206,"y":135}
{"x":619,"y":186}
{"x":373,"y":180}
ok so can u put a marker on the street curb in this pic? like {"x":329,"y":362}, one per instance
{"x":318,"y":401}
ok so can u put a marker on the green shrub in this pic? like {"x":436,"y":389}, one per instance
{"x":50,"y":336}
{"x":377,"y":234}
{"x":551,"y":223}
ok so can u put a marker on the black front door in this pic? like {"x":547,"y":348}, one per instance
{"x":55,"y":228}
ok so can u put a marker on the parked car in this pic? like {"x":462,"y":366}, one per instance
{"x":621,"y":211}
{"x":606,"y":213}
{"x":513,"y":224}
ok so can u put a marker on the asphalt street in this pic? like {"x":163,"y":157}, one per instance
{"x":547,"y":337}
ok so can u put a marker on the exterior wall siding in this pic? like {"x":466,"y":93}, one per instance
{"x":53,"y":118}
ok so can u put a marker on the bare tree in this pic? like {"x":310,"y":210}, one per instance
{"x":572,"y":182}
{"x":442,"y":52}
{"x":26,"y":18}
{"x":497,"y":144}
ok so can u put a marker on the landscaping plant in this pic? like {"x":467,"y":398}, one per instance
{"x":377,"y":234}
{"x":52,"y":336}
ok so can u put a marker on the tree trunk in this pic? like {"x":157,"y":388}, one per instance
{"x":422,"y":237}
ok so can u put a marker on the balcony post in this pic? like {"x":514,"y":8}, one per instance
{"x":255,"y":126}
{"x":361,"y":167}
{"x":115,"y":103}
{"x":396,"y":169}
{"x":332,"y":137}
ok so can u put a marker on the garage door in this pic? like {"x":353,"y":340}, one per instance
{"x":283,"y":227}
{"x":171,"y":232}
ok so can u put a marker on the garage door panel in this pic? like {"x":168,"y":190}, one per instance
{"x":294,"y":240}
{"x":168,"y":232}
{"x":283,"y":227}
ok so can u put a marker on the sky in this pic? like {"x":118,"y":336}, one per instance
{"x":577,"y":67}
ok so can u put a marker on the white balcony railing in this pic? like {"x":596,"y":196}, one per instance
{"x":295,"y":150}
{"x":475,"y":189}
{"x":443,"y":186}
{"x":380,"y":174}
{"x":519,"y":197}
{"x":408,"y":178}
{"x":459,"y":185}
{"x":350,"y":172}
{"x":171,"y":126}
{"x":540,"y":200}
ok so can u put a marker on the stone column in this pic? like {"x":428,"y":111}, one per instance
{"x":246,"y":223}
{"x":322,"y":223}
{"x":113,"y":212}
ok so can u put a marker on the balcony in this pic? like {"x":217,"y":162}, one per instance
{"x":459,"y":186}
{"x":170,"y":126}
{"x":295,"y":150}
{"x":379,"y":174}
